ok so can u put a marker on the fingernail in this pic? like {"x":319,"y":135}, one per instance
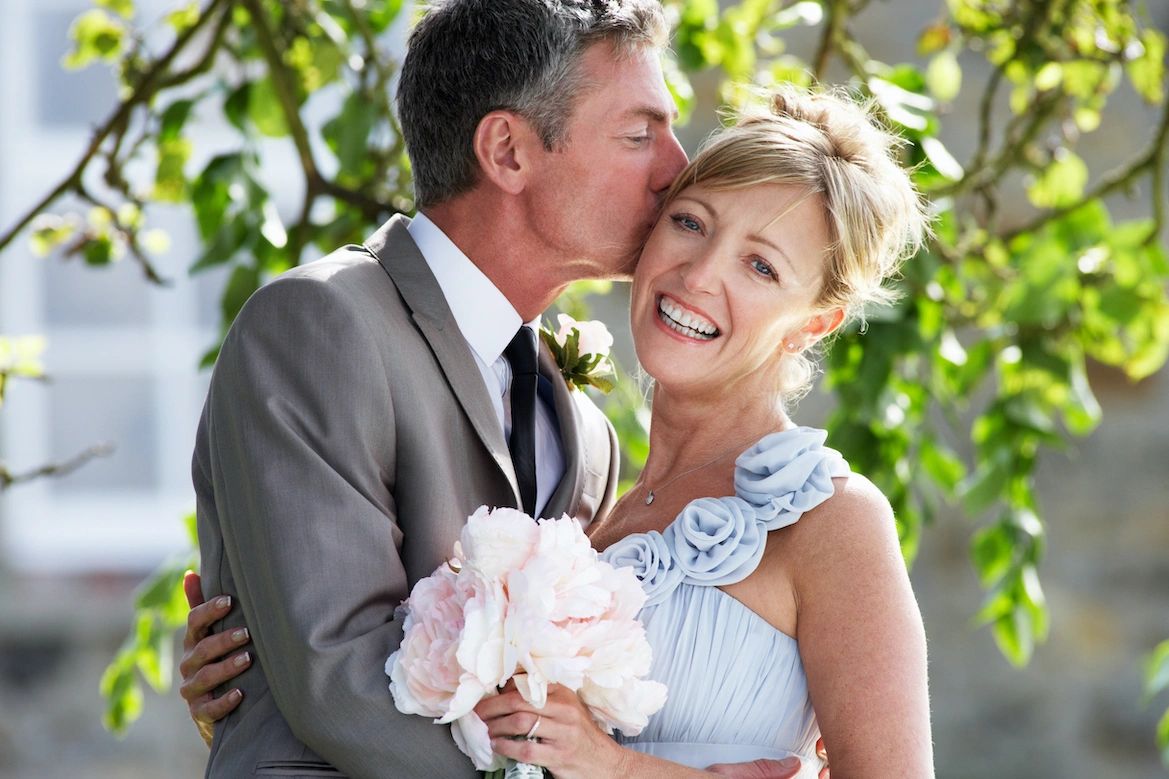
{"x":240,"y":636}
{"x":242,"y":660}
{"x":235,"y":694}
{"x":223,"y":601}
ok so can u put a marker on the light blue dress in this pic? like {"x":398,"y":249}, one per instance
{"x":737,"y":688}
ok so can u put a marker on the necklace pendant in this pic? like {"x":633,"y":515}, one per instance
{"x":649,"y":498}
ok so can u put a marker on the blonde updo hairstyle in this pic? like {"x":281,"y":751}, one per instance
{"x":832,"y":146}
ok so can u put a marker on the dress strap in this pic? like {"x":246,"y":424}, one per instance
{"x":720,"y":541}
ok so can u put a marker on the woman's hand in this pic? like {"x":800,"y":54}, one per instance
{"x":208,"y":660}
{"x":564,"y":737}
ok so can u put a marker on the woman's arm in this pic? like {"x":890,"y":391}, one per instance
{"x":861,"y":637}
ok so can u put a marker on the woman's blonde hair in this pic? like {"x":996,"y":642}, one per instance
{"x":833,"y":147}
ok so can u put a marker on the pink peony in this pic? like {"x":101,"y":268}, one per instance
{"x":424,"y":673}
{"x":528,"y":601}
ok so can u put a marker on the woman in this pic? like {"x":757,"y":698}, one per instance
{"x":782,"y":610}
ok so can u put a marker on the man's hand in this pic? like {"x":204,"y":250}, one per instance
{"x":758,"y":769}
{"x":208,"y":660}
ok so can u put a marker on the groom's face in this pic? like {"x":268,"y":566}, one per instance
{"x":595,"y":200}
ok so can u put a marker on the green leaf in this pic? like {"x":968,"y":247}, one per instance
{"x":383,"y":13}
{"x":1015,"y":638}
{"x":119,"y":686}
{"x":265,"y":111}
{"x":984,"y":486}
{"x":244,"y":280}
{"x":934,"y":38}
{"x":191,"y":525}
{"x":1157,"y":671}
{"x":943,"y":76}
{"x":1049,"y":76}
{"x":235,"y":106}
{"x":183,"y":18}
{"x":906,"y":108}
{"x":163,"y":593}
{"x":152,"y":654}
{"x":98,"y":251}
{"x":170,"y":181}
{"x":1060,"y":183}
{"x":348,"y":134}
{"x":940,"y":157}
{"x":1147,"y":72}
{"x":942,"y":465}
{"x":48,"y":232}
{"x":1163,"y":737}
{"x":173,"y":119}
{"x":96,"y":36}
{"x":123,"y":8}
{"x":680,"y":88}
{"x":992,"y":551}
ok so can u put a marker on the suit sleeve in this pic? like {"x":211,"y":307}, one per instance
{"x":300,"y":427}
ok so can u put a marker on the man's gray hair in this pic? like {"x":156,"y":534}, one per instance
{"x":467,"y":58}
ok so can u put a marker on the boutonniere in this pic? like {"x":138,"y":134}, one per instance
{"x":581,"y":350}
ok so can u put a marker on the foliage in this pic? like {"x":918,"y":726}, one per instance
{"x":160,"y":608}
{"x":981,"y":367}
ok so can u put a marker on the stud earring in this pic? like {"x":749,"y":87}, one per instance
{"x":791,"y":346}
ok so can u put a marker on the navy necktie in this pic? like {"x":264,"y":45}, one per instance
{"x":521,"y":353}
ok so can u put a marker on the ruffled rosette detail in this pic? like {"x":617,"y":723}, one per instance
{"x":650,"y":557}
{"x":716,"y":540}
{"x":720,"y":541}
{"x":787,"y":474}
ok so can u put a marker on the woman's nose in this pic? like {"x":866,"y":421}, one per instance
{"x":702,"y":274}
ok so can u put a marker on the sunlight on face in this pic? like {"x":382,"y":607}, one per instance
{"x":726,"y":278}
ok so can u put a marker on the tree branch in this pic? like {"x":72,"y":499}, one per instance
{"x":140,"y":96}
{"x":8,"y":479}
{"x":278,"y":72}
{"x":1150,"y":158}
{"x":837,"y":13}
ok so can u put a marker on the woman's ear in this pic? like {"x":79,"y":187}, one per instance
{"x":824,"y":323}
{"x":503,"y":146}
{"x":817,"y":326}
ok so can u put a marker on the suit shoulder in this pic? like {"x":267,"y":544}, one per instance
{"x":347,"y":279}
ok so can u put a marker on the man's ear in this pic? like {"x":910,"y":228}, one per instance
{"x":503,"y":145}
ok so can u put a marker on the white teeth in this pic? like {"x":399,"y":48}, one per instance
{"x":684,"y":322}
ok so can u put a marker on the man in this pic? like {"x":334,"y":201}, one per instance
{"x":363,"y":405}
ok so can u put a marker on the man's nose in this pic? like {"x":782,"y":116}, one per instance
{"x":671,"y":161}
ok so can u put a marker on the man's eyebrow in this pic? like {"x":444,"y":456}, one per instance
{"x":653,"y":114}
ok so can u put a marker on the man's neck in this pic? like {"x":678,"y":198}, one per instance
{"x":490,"y":238}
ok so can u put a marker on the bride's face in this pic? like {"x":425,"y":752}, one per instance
{"x":725,"y":280}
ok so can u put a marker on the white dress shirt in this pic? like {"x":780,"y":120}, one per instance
{"x":488,"y":322}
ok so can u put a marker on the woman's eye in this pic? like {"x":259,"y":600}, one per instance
{"x":762,"y":267}
{"x":687,"y":222}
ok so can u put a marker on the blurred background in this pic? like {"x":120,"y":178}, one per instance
{"x":123,"y":356}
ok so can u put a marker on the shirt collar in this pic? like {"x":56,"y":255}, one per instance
{"x":486,"y":318}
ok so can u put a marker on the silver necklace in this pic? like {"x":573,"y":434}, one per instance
{"x":649,"y":498}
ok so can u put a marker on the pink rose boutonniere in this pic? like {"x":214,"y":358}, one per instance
{"x":581,"y":350}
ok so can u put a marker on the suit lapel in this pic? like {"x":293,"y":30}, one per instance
{"x":407,"y":268}
{"x":567,"y":494}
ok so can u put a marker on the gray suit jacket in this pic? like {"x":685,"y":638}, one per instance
{"x":346,"y":437}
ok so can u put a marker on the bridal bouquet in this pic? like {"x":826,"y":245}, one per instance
{"x":527,"y":601}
